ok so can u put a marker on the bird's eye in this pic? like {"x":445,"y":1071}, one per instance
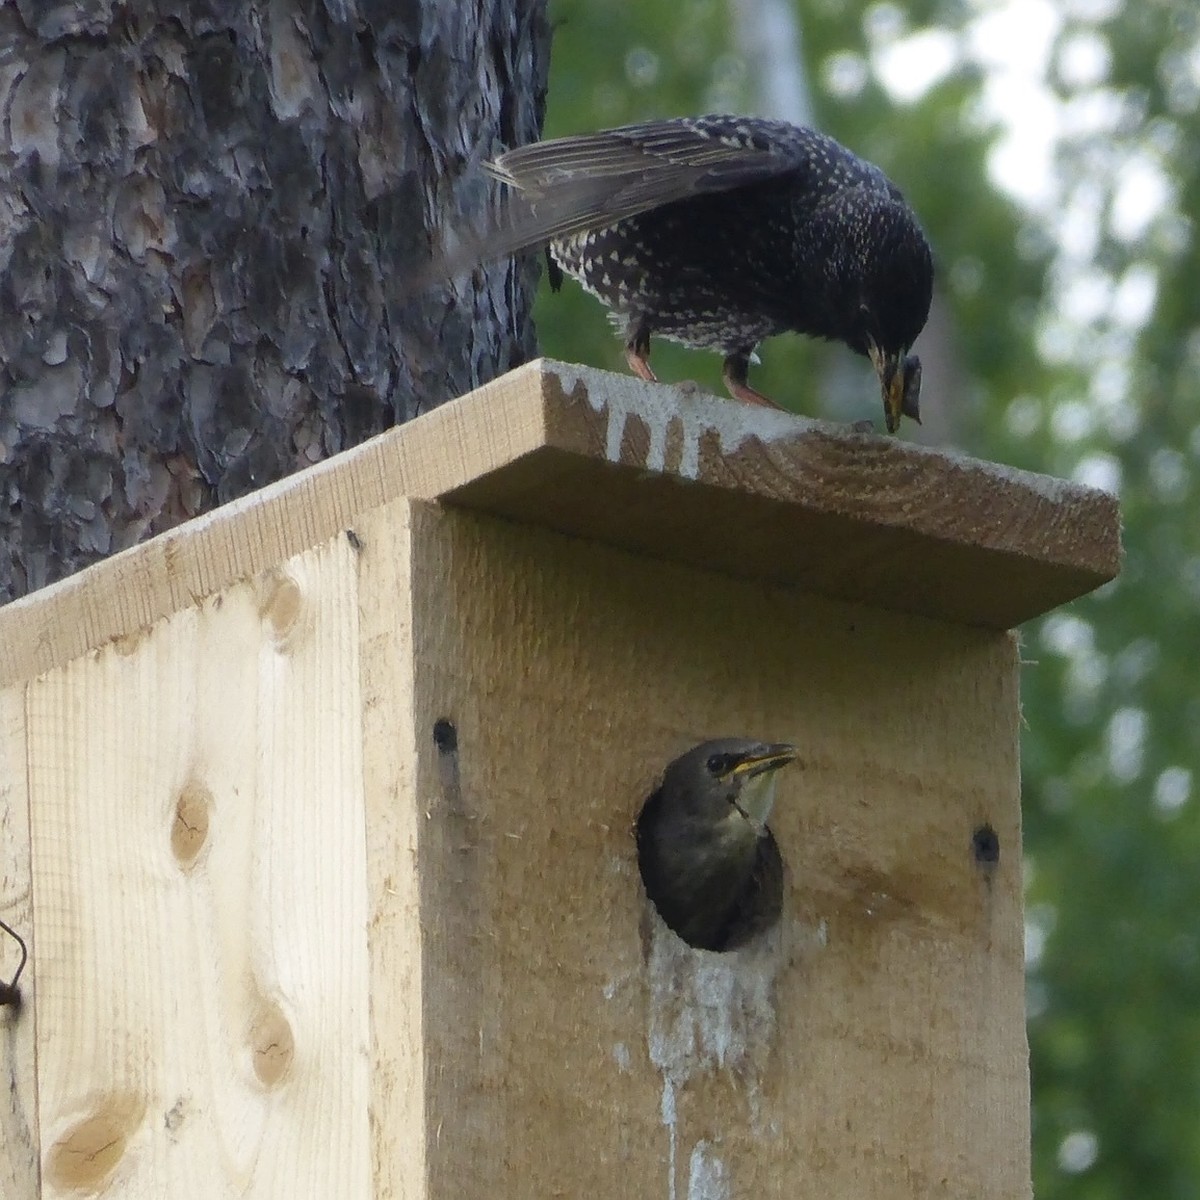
{"x":718,"y":764}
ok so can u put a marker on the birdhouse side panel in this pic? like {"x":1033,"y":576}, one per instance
{"x":872,"y":1043}
{"x":201,"y":905}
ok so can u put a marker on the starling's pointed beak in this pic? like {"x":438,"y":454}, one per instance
{"x":757,"y":769}
{"x":900,"y":382}
{"x":766,"y":758}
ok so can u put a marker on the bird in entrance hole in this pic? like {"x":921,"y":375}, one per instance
{"x":720,"y":231}
{"x":710,"y":865}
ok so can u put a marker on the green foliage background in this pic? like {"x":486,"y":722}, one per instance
{"x":1048,"y":383}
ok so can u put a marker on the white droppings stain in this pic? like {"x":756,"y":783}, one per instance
{"x":715,"y":1012}
{"x":614,"y":985}
{"x":695,"y":415}
{"x":707,"y":1177}
{"x":734,"y":423}
{"x":711,"y":1012}
{"x":618,"y":865}
{"x":669,"y":1120}
{"x":621,"y":1056}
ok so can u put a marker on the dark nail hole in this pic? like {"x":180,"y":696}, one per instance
{"x":985,"y":844}
{"x":445,"y":736}
{"x":10,"y":994}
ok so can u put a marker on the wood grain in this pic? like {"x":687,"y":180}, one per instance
{"x":691,"y":478}
{"x":395,"y":747}
{"x":19,"y":1146}
{"x":200,"y":891}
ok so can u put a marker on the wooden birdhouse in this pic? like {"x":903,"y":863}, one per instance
{"x":317,"y":818}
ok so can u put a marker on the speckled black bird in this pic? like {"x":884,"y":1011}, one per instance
{"x":720,"y":231}
{"x":708,"y":861}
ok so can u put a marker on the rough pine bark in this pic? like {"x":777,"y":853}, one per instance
{"x":208,"y":211}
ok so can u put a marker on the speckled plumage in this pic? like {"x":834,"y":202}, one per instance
{"x":720,"y":231}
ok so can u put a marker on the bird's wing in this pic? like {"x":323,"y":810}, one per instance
{"x":569,"y":185}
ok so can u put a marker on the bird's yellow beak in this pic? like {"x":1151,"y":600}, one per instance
{"x":766,"y":758}
{"x":891,"y":383}
{"x":900,"y":383}
{"x":756,"y":796}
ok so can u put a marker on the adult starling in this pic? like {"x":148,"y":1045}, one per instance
{"x":710,"y":864}
{"x":720,"y":231}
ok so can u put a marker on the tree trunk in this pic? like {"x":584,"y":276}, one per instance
{"x":207,"y":214}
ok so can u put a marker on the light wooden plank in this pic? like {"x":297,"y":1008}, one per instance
{"x":650,"y":467}
{"x":200,"y":887}
{"x":875,"y":1046}
{"x":18,"y":1025}
{"x":395,"y":806}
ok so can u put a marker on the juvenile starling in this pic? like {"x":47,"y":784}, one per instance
{"x":710,"y":864}
{"x":720,"y":231}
